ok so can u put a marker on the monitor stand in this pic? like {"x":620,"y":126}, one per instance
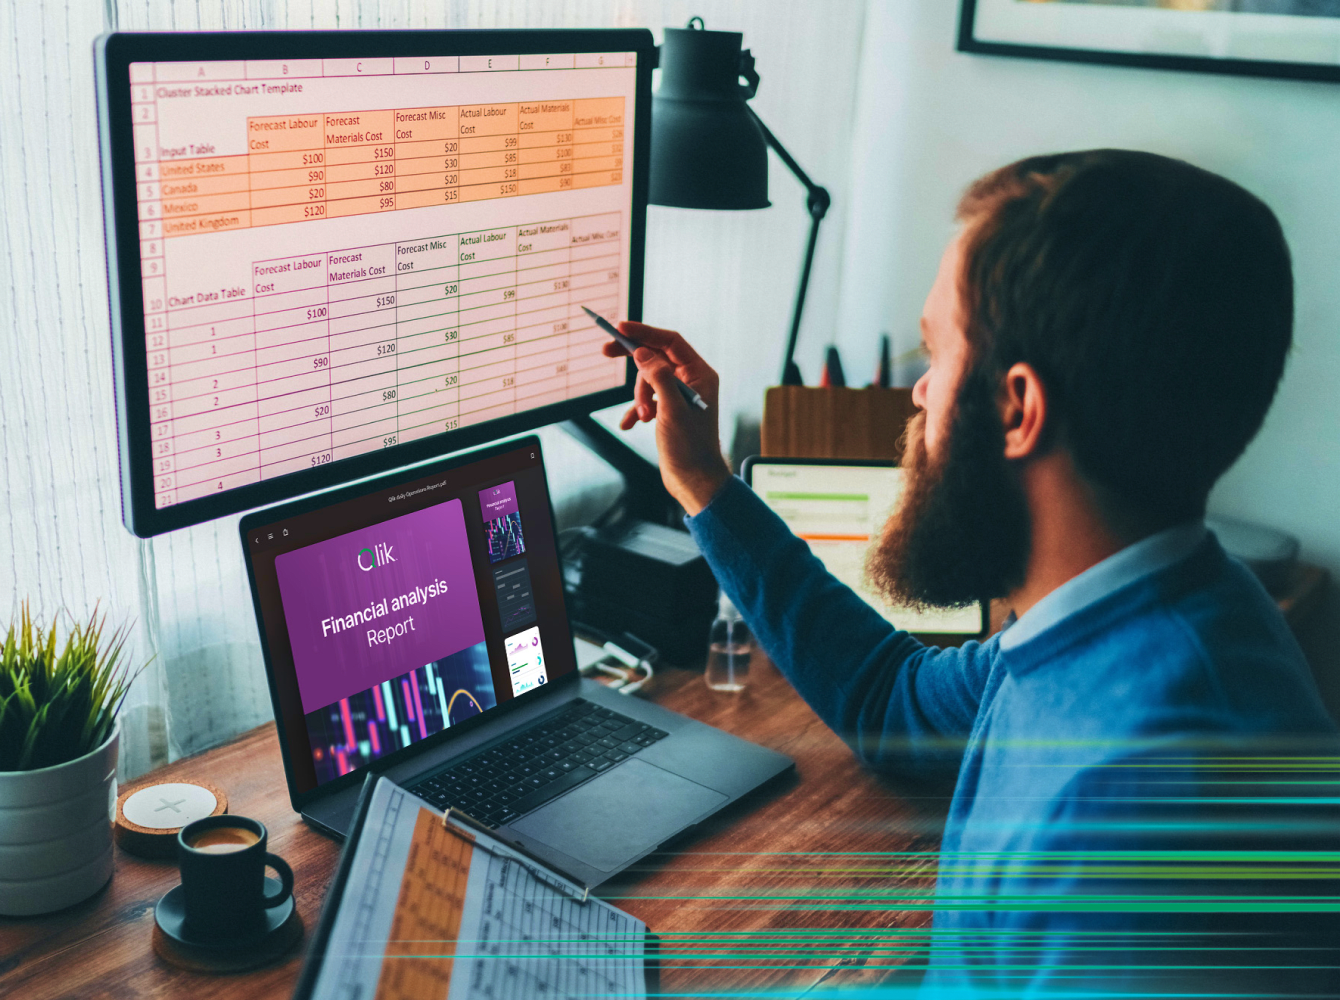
{"x":644,"y":495}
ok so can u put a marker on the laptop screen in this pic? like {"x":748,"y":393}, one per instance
{"x":416,"y":605}
{"x":839,"y":510}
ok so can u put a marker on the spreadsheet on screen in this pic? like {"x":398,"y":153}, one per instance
{"x":839,"y":510}
{"x":344,"y":255}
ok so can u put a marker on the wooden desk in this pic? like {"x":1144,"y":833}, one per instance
{"x":820,"y":878}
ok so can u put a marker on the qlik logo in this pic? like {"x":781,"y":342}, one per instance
{"x":378,"y":555}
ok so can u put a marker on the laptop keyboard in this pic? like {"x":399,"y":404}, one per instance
{"x":538,"y":764}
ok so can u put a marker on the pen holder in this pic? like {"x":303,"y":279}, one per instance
{"x":812,"y":422}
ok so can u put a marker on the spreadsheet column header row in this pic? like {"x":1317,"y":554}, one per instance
{"x":280,"y":69}
{"x":356,"y":263}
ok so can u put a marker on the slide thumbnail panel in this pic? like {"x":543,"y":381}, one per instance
{"x":502,"y":522}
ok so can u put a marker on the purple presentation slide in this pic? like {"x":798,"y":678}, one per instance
{"x":498,"y":501}
{"x":378,"y":602}
{"x":502,"y":522}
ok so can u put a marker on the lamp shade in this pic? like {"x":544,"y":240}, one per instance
{"x":706,"y":150}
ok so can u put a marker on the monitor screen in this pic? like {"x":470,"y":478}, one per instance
{"x":839,"y":511}
{"x":346,"y":256}
{"x":406,"y":607}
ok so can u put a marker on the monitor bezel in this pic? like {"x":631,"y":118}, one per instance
{"x":747,"y":473}
{"x":113,"y":55}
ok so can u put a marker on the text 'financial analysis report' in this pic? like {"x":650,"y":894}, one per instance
{"x":342,"y":255}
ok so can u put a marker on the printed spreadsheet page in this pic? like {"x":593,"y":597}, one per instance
{"x":426,"y":913}
{"x":343,"y":255}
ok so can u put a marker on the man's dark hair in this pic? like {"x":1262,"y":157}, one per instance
{"x":1155,"y":301}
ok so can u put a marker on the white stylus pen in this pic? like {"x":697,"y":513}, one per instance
{"x":689,"y":395}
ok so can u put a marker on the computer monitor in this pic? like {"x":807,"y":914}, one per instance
{"x":335,"y":253}
{"x":838,"y":506}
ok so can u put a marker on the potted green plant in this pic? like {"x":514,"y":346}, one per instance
{"x":58,"y":746}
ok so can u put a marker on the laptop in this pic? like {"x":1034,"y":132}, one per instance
{"x":414,"y":626}
{"x":839,"y":506}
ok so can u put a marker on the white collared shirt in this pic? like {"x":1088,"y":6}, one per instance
{"x":1149,"y":555}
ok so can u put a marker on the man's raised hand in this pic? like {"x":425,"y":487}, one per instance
{"x":687,"y":438}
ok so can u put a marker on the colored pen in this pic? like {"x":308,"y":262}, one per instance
{"x":689,"y":395}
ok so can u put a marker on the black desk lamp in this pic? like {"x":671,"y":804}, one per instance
{"x":709,"y":149}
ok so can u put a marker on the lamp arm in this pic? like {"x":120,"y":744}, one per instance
{"x":790,"y":370}
{"x":818,"y":194}
{"x":817,"y":202}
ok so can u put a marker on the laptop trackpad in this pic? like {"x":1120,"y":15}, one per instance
{"x":625,"y":812}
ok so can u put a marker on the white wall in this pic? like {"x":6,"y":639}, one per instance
{"x":930,"y":119}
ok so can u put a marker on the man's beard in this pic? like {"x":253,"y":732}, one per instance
{"x":961,"y":531}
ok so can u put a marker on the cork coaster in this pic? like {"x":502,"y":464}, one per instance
{"x":271,"y":950}
{"x":148,"y":816}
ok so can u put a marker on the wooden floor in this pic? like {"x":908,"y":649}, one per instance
{"x":822,"y":878}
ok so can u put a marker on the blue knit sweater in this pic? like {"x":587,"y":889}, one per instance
{"x":1096,"y":764}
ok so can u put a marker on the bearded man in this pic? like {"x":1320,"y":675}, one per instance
{"x":1104,"y":337}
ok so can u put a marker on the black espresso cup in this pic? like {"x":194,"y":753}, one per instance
{"x":223,"y":862}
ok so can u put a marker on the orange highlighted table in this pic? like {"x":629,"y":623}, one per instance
{"x":427,"y":917}
{"x":301,"y":168}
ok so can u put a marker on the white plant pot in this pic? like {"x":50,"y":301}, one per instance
{"x":56,"y":832}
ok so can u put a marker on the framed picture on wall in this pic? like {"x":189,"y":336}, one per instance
{"x":1284,"y":38}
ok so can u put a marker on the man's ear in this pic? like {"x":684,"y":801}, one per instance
{"x":1023,"y":412}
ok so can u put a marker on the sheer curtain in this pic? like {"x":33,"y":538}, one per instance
{"x":728,"y":279}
